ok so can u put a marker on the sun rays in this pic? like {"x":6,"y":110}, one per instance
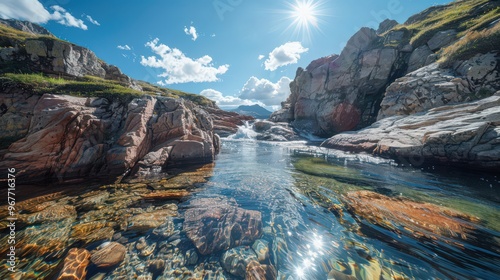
{"x":305,"y":16}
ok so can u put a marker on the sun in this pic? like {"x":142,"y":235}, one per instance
{"x":304,"y":13}
{"x":305,"y":16}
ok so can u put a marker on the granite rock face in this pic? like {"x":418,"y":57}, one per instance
{"x":63,"y":137}
{"x":215,"y":224}
{"x":432,"y":86}
{"x":342,"y":92}
{"x":226,"y":123}
{"x":466,"y":135}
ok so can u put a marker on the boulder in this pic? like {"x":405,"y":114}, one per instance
{"x":75,"y":265}
{"x":108,"y":254}
{"x":271,"y":131}
{"x":418,"y":58}
{"x":215,"y":224}
{"x":236,"y":260}
{"x":64,"y":137}
{"x":465,"y":135}
{"x":432,"y":86}
{"x":226,"y":123}
{"x":442,"y":39}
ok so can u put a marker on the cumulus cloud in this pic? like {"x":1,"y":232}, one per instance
{"x":192,"y":32}
{"x":178,"y":68}
{"x":31,"y":10}
{"x":265,"y":91}
{"x":226,"y":101}
{"x":34,"y":11}
{"x":288,"y":53}
{"x":261,"y":57}
{"x":63,"y":17}
{"x":125,"y":47}
{"x":93,"y":21}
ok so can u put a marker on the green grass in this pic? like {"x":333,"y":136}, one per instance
{"x":463,"y":16}
{"x":86,"y":86}
{"x":90,"y":86}
{"x":19,"y":72}
{"x":473,"y":43}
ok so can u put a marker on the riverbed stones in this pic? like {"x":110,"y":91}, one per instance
{"x":236,"y":260}
{"x":261,"y":248}
{"x":108,"y":254}
{"x":191,"y":257}
{"x":215,"y":224}
{"x":146,"y":221}
{"x":75,"y":265}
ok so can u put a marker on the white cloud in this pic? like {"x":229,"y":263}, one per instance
{"x":34,"y":11}
{"x":93,"y":21}
{"x":179,"y":68}
{"x":213,"y":35}
{"x":267,"y":92}
{"x":191,"y":31}
{"x":261,"y":57}
{"x":286,"y":54}
{"x":227,"y":101}
{"x":125,"y":47}
{"x":31,"y":10}
{"x":63,"y":17}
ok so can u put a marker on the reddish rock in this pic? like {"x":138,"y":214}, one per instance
{"x":419,"y":219}
{"x":165,"y":195}
{"x":72,"y":137}
{"x":75,"y":265}
{"x":215,"y":224}
{"x":345,"y":117}
{"x":108,"y":254}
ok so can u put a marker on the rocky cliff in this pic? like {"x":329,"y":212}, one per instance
{"x":373,"y":77}
{"x":64,"y":137}
{"x":72,"y":116}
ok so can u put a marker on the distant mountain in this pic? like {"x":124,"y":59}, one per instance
{"x":255,"y":111}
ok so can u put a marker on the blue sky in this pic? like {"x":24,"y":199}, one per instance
{"x":234,"y":51}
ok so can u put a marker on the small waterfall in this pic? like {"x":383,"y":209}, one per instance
{"x":244,"y":132}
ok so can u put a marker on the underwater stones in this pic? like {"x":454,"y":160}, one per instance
{"x":191,"y":257}
{"x":52,"y":214}
{"x":236,"y":260}
{"x":419,"y":219}
{"x":146,"y":221}
{"x":75,"y":265}
{"x":166,"y":195}
{"x":108,"y":254}
{"x":166,"y":230}
{"x":261,"y":248}
{"x":92,"y":231}
{"x":92,"y":200}
{"x":215,"y":224}
{"x":257,"y":271}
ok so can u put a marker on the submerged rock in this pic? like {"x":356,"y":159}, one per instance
{"x":108,"y":254}
{"x":146,"y":221}
{"x":236,"y":260}
{"x":215,"y":224}
{"x":257,"y":271}
{"x":75,"y":265}
{"x":419,"y":219}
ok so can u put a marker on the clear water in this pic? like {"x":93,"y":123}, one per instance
{"x":294,"y":186}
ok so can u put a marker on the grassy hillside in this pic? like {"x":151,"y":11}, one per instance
{"x":17,"y":73}
{"x":476,"y":21}
{"x":90,"y":86}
